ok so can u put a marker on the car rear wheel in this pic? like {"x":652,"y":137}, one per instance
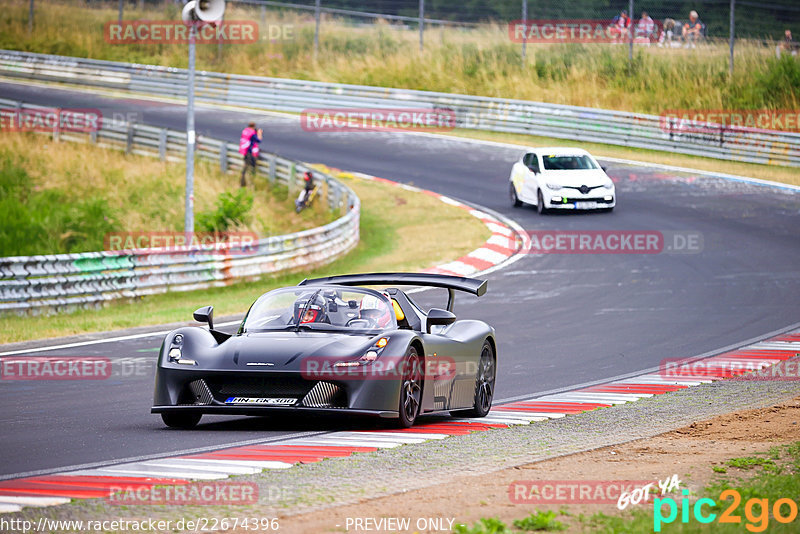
{"x":484,"y":385}
{"x":410,"y":388}
{"x":515,"y":201}
{"x":181,"y":420}
{"x":540,"y":203}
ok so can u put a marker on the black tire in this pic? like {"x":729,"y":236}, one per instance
{"x":184,"y":420}
{"x":515,"y":201}
{"x":540,"y":203}
{"x":410,"y":389}
{"x":484,"y":384}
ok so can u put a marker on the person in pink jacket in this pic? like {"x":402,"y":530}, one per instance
{"x":249,"y":148}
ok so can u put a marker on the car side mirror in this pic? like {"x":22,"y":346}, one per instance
{"x":205,"y":315}
{"x":605,"y":169}
{"x":437,"y":316}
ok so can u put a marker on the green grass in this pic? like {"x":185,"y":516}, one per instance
{"x":479,"y":61}
{"x":749,"y":462}
{"x":67,"y":197}
{"x":490,"y":525}
{"x":537,"y":521}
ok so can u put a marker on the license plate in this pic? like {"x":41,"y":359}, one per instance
{"x":588,"y":205}
{"x":270,"y":401}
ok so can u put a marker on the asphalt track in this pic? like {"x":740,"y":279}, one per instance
{"x":561,"y":319}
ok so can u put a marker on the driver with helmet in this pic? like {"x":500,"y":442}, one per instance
{"x":313,"y":307}
{"x":375,"y":311}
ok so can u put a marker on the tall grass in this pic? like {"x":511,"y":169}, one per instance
{"x":66,"y":197}
{"x":475,"y":61}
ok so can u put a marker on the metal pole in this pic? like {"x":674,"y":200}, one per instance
{"x":525,"y":31}
{"x":421,"y":23}
{"x":188,"y":221}
{"x":733,"y":33}
{"x":630,"y":32}
{"x":30,"y":17}
{"x":219,"y":41}
{"x":316,"y":28}
{"x":121,"y":6}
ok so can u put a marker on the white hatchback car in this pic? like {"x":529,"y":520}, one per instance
{"x":561,"y":178}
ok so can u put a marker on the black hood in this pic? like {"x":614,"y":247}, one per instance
{"x":284,"y":350}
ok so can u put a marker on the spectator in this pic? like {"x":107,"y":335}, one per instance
{"x":619,"y":27}
{"x":692,"y":30}
{"x":645,"y":29}
{"x":788,"y":45}
{"x":249,"y":148}
{"x":667,"y":33}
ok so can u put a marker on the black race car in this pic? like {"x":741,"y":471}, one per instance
{"x":331,"y":345}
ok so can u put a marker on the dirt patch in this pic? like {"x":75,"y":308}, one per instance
{"x":689,"y":452}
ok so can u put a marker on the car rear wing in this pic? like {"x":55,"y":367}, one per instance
{"x":451,"y":283}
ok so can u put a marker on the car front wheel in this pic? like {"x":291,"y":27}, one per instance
{"x":181,"y":420}
{"x":540,"y":203}
{"x":410,"y":389}
{"x":515,"y":201}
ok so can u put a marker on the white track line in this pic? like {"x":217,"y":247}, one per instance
{"x":146,"y":471}
{"x":217,"y":467}
{"x":6,"y":508}
{"x":33,"y":501}
{"x":546,"y":415}
{"x":98,"y":341}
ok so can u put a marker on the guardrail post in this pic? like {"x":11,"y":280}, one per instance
{"x":162,"y":144}
{"x":57,"y":126}
{"x":292,"y":178}
{"x":272,"y":169}
{"x":129,"y":140}
{"x":223,"y":157}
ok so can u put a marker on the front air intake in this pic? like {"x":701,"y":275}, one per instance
{"x":202,"y":395}
{"x":325,"y":395}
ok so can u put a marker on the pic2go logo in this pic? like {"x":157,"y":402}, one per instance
{"x":756,"y":511}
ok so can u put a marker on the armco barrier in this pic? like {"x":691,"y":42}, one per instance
{"x":482,"y":113}
{"x":63,"y":281}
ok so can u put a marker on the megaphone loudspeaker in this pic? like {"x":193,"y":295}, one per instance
{"x":188,"y":12}
{"x":209,"y":10}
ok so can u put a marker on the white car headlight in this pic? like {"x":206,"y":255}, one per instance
{"x":608,"y":185}
{"x":553,"y":186}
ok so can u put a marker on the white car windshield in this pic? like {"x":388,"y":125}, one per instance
{"x":321,"y":308}
{"x":565,"y":163}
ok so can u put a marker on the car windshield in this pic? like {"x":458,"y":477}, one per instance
{"x":563,"y":163}
{"x":321,"y":308}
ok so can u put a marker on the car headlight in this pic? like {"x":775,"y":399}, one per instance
{"x":370,"y":356}
{"x":174,"y":354}
{"x":608,"y":185}
{"x":554,"y":186}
